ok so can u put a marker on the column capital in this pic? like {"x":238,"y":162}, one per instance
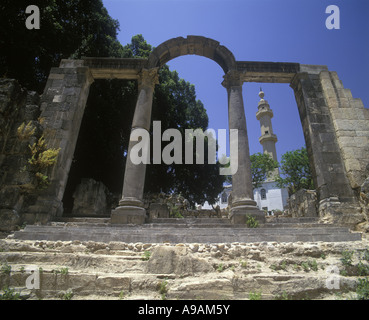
{"x":232,"y":79}
{"x":148,"y":77}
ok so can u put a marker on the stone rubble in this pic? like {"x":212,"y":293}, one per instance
{"x":117,"y":270}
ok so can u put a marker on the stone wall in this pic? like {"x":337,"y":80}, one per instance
{"x":303,"y":204}
{"x":91,"y":199}
{"x":351,"y":124}
{"x":337,"y":167}
{"x":62,"y":107}
{"x":17,"y":181}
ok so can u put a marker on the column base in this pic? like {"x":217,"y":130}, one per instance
{"x":239,"y":213}
{"x":128,"y":214}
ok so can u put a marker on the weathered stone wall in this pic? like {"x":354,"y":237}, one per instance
{"x":62,"y":107}
{"x":303,"y":204}
{"x":364,"y":201}
{"x":90,"y":199}
{"x":327,"y":151}
{"x":351,"y":125}
{"x":17,"y":181}
{"x":56,"y":116}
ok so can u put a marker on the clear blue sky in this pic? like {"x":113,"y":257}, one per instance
{"x":256,"y":30}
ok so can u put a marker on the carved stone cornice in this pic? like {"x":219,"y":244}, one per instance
{"x":148,"y":77}
{"x":232,"y":79}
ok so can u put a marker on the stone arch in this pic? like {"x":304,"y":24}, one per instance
{"x":196,"y":45}
{"x":130,"y":209}
{"x":335,"y":126}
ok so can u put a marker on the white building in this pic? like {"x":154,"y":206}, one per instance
{"x":268,"y":197}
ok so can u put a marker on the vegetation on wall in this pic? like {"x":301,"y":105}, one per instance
{"x":41,"y":157}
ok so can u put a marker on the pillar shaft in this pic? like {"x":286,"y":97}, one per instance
{"x":130,"y":208}
{"x":242,"y":191}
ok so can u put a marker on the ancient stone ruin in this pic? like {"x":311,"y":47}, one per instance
{"x":335,"y":126}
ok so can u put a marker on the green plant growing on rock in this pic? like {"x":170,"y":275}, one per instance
{"x":365,"y":255}
{"x":6,"y":269}
{"x":347,"y":258}
{"x":251,"y":222}
{"x":9,"y":294}
{"x":68,"y":295}
{"x":63,"y":271}
{"x":283,"y":296}
{"x":163,"y":289}
{"x":313,"y":265}
{"x":243,"y":264}
{"x":146,"y":255}
{"x":255,"y":295}
{"x":41,"y":159}
{"x":362,"y":289}
{"x":122,"y":295}
{"x":220,"y":268}
{"x":309,"y":265}
{"x":25,"y":131}
{"x":175,"y":212}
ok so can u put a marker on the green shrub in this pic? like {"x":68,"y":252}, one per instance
{"x":255,"y":295}
{"x":251,"y":222}
{"x":362,"y":289}
{"x":9,"y":294}
{"x":146,"y":255}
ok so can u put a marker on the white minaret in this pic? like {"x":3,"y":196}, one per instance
{"x":268,"y":139}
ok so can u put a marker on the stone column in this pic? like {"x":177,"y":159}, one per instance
{"x":130,"y":209}
{"x":242,"y":191}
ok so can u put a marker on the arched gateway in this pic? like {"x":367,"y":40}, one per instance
{"x":130,"y":208}
{"x":330,"y":117}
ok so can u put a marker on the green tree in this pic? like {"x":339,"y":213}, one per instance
{"x":77,"y":28}
{"x":262,"y":166}
{"x":68,"y":29}
{"x":296,"y":171}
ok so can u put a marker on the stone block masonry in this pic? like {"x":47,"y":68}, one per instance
{"x":17,"y":107}
{"x":324,"y":106}
{"x":62,"y":108}
{"x":351,"y":126}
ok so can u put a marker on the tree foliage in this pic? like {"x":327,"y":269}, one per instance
{"x":77,"y":28}
{"x":296,"y":171}
{"x":68,"y":29}
{"x":262,"y":166}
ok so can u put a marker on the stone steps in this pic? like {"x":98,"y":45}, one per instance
{"x":117,"y":270}
{"x":188,"y":230}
